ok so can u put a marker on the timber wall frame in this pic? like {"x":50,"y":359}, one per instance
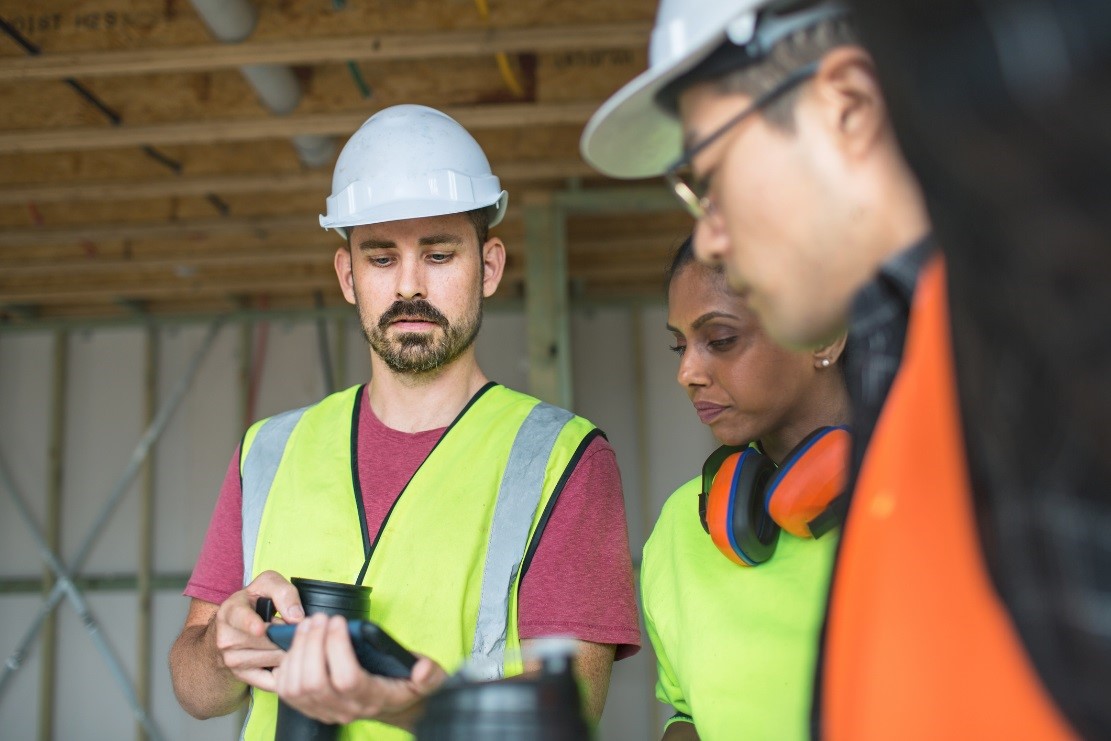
{"x":549,"y":338}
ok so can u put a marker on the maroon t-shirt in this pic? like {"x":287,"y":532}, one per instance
{"x":580,"y":582}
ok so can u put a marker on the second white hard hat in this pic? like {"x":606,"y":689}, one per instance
{"x":407,"y":162}
{"x":632,"y":135}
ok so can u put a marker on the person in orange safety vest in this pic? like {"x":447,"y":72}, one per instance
{"x":768,"y":121}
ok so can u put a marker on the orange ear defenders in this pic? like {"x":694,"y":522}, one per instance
{"x":746,"y":500}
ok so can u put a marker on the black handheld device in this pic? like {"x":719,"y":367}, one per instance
{"x":376,"y":649}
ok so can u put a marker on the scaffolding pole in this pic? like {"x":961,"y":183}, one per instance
{"x":146,"y":532}
{"x":326,"y":370}
{"x":644,"y":472}
{"x":57,"y":453}
{"x":339,"y":327}
{"x":66,"y":587}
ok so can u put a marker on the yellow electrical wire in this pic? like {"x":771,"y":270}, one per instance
{"x":503,"y":60}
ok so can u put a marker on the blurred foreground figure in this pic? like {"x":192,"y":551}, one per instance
{"x":787,"y":162}
{"x":1004,"y":111}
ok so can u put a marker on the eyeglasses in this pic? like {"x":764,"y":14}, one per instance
{"x":692,"y":193}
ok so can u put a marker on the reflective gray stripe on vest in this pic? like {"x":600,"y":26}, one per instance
{"x":519,"y":495}
{"x":259,"y":470}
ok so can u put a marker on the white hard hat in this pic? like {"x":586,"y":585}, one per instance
{"x":632,"y":135}
{"x":408,"y":162}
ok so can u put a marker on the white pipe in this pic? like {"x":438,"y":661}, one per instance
{"x":276,"y":86}
{"x":232,"y":21}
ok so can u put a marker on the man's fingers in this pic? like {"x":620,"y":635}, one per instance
{"x":248,"y":627}
{"x":314,"y":670}
{"x":259,"y":678}
{"x":286,"y":599}
{"x":292,"y":674}
{"x":238,"y":612}
{"x":249,"y":658}
{"x":427,"y":675}
{"x":343,"y":666}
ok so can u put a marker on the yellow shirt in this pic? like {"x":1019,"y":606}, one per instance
{"x":736,"y":647}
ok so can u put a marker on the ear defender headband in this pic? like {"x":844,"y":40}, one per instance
{"x":746,"y":500}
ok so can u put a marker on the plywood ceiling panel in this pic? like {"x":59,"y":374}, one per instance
{"x":194,"y":200}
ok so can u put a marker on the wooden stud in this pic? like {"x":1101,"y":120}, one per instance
{"x":318,"y":182}
{"x":306,"y":51}
{"x":195,"y":132}
{"x":546,"y":312}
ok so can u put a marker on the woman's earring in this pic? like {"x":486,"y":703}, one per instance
{"x":824,"y":362}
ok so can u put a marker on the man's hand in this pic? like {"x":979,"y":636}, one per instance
{"x":223,"y":648}
{"x":238,"y":634}
{"x":322,"y":678}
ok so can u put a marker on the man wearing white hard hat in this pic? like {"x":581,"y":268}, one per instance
{"x":431,"y":484}
{"x":767,"y":120}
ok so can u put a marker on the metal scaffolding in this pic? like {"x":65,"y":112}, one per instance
{"x":65,"y":586}
{"x":546,"y":307}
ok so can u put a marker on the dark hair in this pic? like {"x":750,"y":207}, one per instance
{"x":684,"y":255}
{"x":480,"y":219}
{"x":730,"y":68}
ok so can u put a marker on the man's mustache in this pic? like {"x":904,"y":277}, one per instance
{"x":419,"y":309}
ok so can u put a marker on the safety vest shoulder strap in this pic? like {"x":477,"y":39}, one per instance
{"x":519,"y":495}
{"x":260,"y":455}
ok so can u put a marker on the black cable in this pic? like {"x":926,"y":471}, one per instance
{"x":96,"y":102}
{"x":169,"y":162}
{"x":218,"y":203}
{"x":19,"y":38}
{"x":113,"y":117}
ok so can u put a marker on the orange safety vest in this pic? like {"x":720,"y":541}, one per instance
{"x":919,"y":645}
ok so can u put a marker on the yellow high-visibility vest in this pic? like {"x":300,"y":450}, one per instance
{"x":446,"y":566}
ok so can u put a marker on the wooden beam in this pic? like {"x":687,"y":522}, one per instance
{"x":321,"y":181}
{"x":266,"y":279}
{"x":473,"y":117}
{"x":482,"y":42}
{"x":252,"y":226}
{"x":257,"y":225}
{"x":182,"y":263}
{"x":190,"y":288}
{"x":597,"y":254}
{"x":72,"y":191}
{"x":304,"y":223}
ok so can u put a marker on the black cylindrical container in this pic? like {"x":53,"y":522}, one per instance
{"x":543,"y":707}
{"x":330,"y":598}
{"x":333,"y":598}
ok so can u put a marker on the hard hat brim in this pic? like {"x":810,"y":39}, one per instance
{"x":631,"y":136}
{"x":413,"y":209}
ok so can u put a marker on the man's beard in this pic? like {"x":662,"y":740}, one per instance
{"x":419,"y":353}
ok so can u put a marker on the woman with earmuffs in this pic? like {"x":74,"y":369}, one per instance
{"x":735,"y":574}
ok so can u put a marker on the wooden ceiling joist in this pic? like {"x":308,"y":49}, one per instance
{"x":180,"y":289}
{"x":393,"y":47}
{"x":180,"y":264}
{"x":297,"y":277}
{"x":218,"y":212}
{"x":473,"y":117}
{"x":320,"y":181}
{"x":191,"y":228}
{"x":600,"y":254}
